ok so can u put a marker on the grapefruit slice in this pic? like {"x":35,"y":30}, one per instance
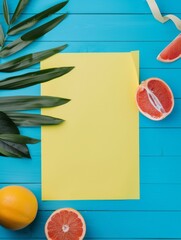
{"x":154,"y":99}
{"x":65,"y":224}
{"x":171,"y":52}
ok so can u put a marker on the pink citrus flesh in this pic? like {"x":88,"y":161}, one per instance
{"x":154,"y":99}
{"x":172,"y":51}
{"x":65,"y":224}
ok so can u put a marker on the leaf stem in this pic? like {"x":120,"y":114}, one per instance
{"x":5,"y":37}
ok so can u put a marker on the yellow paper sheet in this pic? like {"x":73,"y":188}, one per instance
{"x":94,"y":154}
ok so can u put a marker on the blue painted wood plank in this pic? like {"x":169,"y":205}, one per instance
{"x":166,"y":143}
{"x":21,"y":170}
{"x":94,"y":239}
{"x":154,"y":197}
{"x":153,"y":169}
{"x":160,"y":170}
{"x":160,"y":142}
{"x":171,"y":121}
{"x":118,"y":224}
{"x":148,"y":51}
{"x":111,"y":28}
{"x":103,"y":6}
{"x":97,"y":238}
{"x":148,"y":54}
{"x":170,"y":76}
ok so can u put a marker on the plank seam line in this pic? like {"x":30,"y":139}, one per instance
{"x":98,"y":41}
{"x":117,"y":210}
{"x":96,"y":13}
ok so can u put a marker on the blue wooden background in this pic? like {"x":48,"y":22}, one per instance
{"x":113,"y":26}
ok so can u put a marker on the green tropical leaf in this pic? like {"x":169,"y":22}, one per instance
{"x":6,"y":12}
{"x":7,"y":125}
{"x":43,"y":29}
{"x":8,"y":152}
{"x":20,"y":7}
{"x":12,"y":144}
{"x":16,"y":138}
{"x":35,"y":19}
{"x":29,"y":60}
{"x":27,"y":119}
{"x":14,"y":47}
{"x":33,"y":78}
{"x":14,"y":103}
{"x":1,"y":36}
{"x":30,"y":36}
{"x":11,"y":149}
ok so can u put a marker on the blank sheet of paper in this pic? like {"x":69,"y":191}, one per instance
{"x":94,"y":154}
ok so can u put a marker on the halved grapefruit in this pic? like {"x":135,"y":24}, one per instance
{"x":65,"y":224}
{"x":154,"y":99}
{"x":171,"y":52}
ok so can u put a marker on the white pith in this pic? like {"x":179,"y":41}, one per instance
{"x":165,"y":114}
{"x":65,"y":228}
{"x":154,"y":100}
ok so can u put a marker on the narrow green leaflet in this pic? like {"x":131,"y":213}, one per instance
{"x":20,"y":7}
{"x":6,"y":12}
{"x":28,"y":119}
{"x":12,"y":149}
{"x":30,"y":36}
{"x":12,"y":143}
{"x":1,"y":36}
{"x":8,"y":150}
{"x":7,"y":125}
{"x":13,"y":47}
{"x":36,"y":18}
{"x":29,"y":60}
{"x":43,"y":29}
{"x":16,"y":138}
{"x":33,"y":78}
{"x":14,"y":103}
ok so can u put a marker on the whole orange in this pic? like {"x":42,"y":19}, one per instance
{"x":18,"y":207}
